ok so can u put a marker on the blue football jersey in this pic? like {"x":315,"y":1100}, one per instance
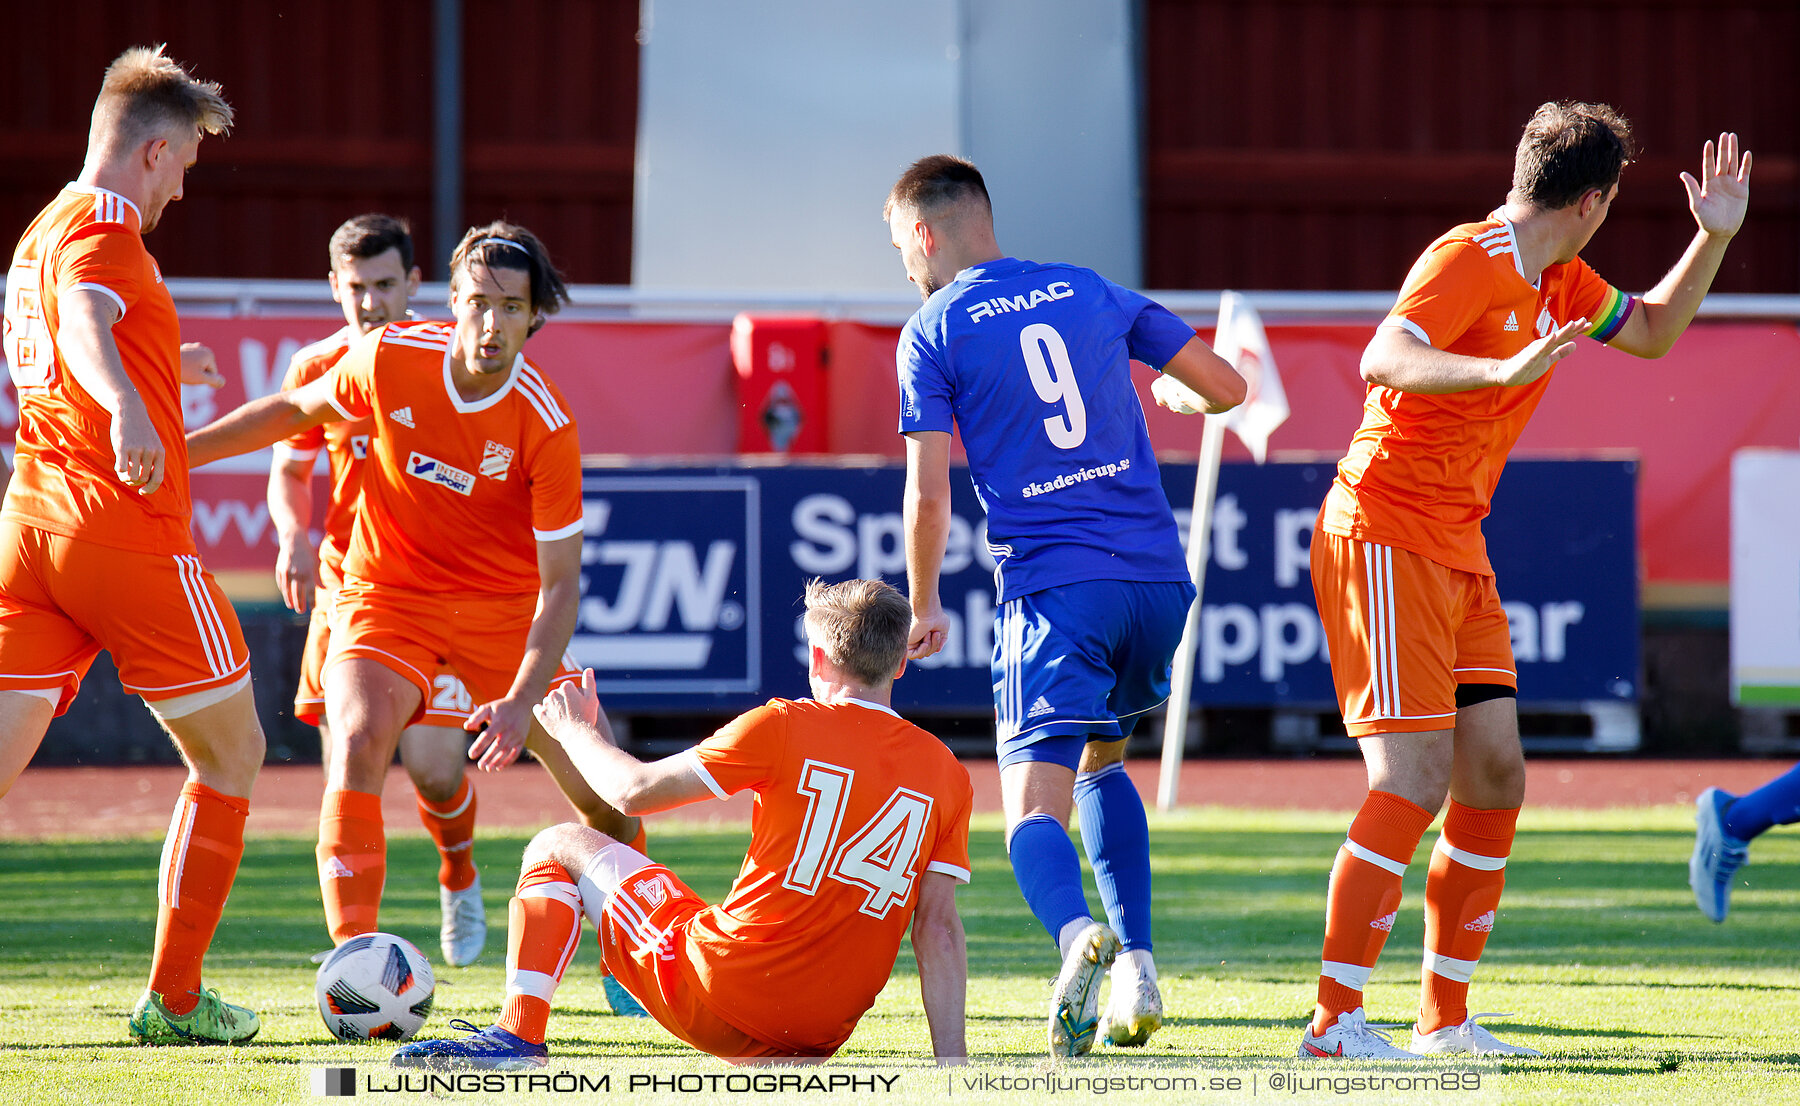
{"x":1032,"y":363}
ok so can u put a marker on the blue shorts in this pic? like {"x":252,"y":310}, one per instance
{"x":1073,"y":662}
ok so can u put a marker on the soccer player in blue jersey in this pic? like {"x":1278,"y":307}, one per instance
{"x":1032,"y":363}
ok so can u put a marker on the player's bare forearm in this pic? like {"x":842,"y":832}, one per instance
{"x":290,"y":509}
{"x":941,"y":951}
{"x":84,"y":338}
{"x":1398,"y":360}
{"x":1209,"y":376}
{"x":255,"y":425}
{"x":1667,"y":309}
{"x":559,"y":599}
{"x":925,"y":511}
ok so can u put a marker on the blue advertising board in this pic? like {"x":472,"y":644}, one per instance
{"x":692,"y":580}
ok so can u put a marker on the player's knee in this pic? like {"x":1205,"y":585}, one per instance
{"x":568,"y":844}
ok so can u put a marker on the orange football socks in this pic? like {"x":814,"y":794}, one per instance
{"x":199,"y":862}
{"x":452,"y":825}
{"x":542,"y":933}
{"x":1462,"y":896}
{"x":1364,"y":898}
{"x":352,"y":862}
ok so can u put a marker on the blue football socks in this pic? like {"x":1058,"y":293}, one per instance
{"x":1048,"y":871}
{"x":1116,"y":835}
{"x":1775,"y":803}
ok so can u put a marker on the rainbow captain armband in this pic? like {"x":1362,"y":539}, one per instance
{"x":1610,"y":318}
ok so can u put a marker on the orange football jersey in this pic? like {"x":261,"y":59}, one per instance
{"x":346,"y":444}
{"x":89,"y":239}
{"x":1421,"y":470}
{"x":456,"y":494}
{"x":853,"y":805}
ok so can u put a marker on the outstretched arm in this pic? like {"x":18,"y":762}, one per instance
{"x":1395,"y":358}
{"x":571,"y":715}
{"x":926,"y":510}
{"x":943,"y":957}
{"x":263,"y":422}
{"x":1718,"y":200}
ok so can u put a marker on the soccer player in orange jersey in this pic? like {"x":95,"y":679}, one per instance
{"x":466,"y":550}
{"x":1420,"y":651}
{"x":861,"y":830}
{"x":95,"y":549}
{"x":372,"y":278}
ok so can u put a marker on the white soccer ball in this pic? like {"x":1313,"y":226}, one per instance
{"x":375,"y":986}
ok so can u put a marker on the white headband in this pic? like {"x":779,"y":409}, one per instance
{"x":500,"y":242}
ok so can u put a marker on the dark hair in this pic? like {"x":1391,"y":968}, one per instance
{"x":372,"y":235}
{"x":146,"y":93}
{"x":933,"y":182}
{"x":1568,"y":149}
{"x":861,"y":624}
{"x":489,"y":246}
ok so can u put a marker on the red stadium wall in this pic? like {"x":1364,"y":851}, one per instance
{"x":661,"y":390}
{"x":1300,"y":144}
{"x":334,"y":117}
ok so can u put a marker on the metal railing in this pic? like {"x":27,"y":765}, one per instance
{"x":253,"y":298}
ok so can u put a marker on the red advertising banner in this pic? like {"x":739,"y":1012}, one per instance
{"x":662,"y":390}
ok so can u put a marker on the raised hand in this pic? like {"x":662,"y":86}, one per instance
{"x":1718,"y":199}
{"x":569,"y":703}
{"x":1537,"y":358}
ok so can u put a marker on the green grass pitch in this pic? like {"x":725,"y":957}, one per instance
{"x":1599,"y":956}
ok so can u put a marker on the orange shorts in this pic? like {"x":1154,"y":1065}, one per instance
{"x":448,"y":703}
{"x":646,"y":914}
{"x":1403,"y":632}
{"x":168,"y":626}
{"x":417,"y":634}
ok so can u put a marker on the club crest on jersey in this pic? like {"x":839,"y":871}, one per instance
{"x":1545,"y":322}
{"x":359,"y":446}
{"x":496,"y":459}
{"x":433,"y":471}
{"x":1056,"y":290}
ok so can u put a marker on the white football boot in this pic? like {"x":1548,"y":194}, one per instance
{"x":1351,"y":1037}
{"x":463,"y":933}
{"x":1467,"y":1039}
{"x":1134,"y":1010}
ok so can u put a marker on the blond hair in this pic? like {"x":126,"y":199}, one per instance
{"x":147,"y":94}
{"x":861,"y":624}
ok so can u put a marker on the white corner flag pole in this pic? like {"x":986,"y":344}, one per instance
{"x":1199,"y":549}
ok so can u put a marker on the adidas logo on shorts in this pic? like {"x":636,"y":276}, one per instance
{"x":1483,"y":924}
{"x":403,"y":416}
{"x":1041,"y":706}
{"x":1385,"y":923}
{"x":1512,"y":322}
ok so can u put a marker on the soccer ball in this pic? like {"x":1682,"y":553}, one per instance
{"x":375,"y":986}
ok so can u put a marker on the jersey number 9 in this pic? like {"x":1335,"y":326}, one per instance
{"x":1047,"y":360}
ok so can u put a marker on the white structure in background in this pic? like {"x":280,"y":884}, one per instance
{"x":769,"y":134}
{"x":1765,"y":581}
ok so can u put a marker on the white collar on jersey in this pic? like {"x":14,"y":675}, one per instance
{"x":854,"y":702}
{"x":96,"y":190}
{"x":464,"y":406}
{"x":1512,"y":242}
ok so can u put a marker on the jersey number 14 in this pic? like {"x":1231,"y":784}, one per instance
{"x":881,"y":858}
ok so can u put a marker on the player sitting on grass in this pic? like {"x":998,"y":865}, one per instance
{"x":861,"y":828}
